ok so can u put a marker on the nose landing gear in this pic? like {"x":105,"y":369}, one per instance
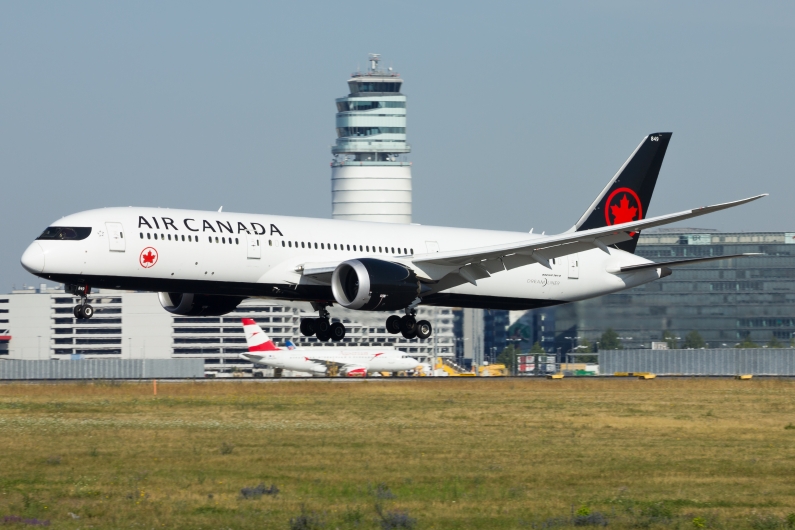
{"x":322,"y":327}
{"x":82,"y":311}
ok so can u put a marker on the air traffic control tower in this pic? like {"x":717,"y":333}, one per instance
{"x":370,"y":176}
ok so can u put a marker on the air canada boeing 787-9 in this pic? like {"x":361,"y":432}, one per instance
{"x":206,"y":263}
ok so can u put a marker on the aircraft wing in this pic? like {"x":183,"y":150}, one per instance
{"x":480,"y":262}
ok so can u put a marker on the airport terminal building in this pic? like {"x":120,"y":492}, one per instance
{"x":38,"y":323}
{"x":725,"y":301}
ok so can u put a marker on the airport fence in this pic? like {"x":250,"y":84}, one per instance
{"x":721,"y":361}
{"x":14,"y":369}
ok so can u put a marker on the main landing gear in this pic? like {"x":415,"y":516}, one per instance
{"x":409,"y":326}
{"x":82,"y":311}
{"x":322,"y":327}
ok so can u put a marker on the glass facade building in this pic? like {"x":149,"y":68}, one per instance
{"x":724,"y":301}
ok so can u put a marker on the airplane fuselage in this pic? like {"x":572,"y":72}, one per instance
{"x":250,"y":255}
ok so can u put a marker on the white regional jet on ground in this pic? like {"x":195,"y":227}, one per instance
{"x":350,"y":362}
{"x":206,"y":263}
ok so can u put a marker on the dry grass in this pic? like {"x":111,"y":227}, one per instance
{"x":448,"y":454}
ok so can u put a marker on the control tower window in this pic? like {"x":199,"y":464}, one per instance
{"x":371,"y":86}
{"x":345,"y":106}
{"x":368,"y":131}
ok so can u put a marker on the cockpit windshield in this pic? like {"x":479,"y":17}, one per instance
{"x":66,"y":232}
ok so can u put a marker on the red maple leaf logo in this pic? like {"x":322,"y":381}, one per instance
{"x":623,"y":213}
{"x":148,"y":257}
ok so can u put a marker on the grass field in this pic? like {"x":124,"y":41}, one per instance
{"x":666,"y":453}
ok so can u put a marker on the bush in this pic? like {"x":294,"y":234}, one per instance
{"x":307,"y":521}
{"x":258,"y":491}
{"x":394,"y":520}
{"x":226,"y":449}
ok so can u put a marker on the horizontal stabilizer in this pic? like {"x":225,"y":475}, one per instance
{"x":681,"y":262}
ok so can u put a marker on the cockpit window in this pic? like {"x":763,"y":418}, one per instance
{"x":66,"y":232}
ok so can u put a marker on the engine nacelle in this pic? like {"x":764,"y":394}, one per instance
{"x":195,"y":305}
{"x":374,"y":285}
{"x":355,"y":371}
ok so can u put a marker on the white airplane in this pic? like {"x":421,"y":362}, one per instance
{"x":349,"y":362}
{"x":206,"y":263}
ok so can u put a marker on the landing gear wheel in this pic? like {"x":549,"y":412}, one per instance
{"x":323,"y":336}
{"x":321,"y":325}
{"x":423,"y":329}
{"x":337,"y":331}
{"x":87,"y":311}
{"x":410,"y":334}
{"x":78,"y":311}
{"x":307,"y":327}
{"x":408,"y":325}
{"x":393,"y":324}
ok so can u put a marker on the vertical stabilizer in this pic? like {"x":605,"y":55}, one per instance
{"x":628,"y":195}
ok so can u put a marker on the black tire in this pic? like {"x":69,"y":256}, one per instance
{"x":77,"y":312}
{"x":307,"y":327}
{"x":408,"y":324}
{"x":323,"y":337}
{"x":393,"y":324}
{"x":410,"y":334}
{"x":423,"y":329}
{"x":87,"y":311}
{"x":321,"y":325}
{"x":337,"y":331}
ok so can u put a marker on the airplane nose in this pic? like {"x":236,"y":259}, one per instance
{"x":33,"y":258}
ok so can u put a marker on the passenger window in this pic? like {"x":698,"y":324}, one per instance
{"x":257,"y":242}
{"x":393,"y":250}
{"x":379,"y":249}
{"x":189,"y":239}
{"x":322,"y":246}
{"x":368,"y":248}
{"x":121,"y":235}
{"x":335,"y":246}
{"x":148,"y":235}
{"x":211,"y":239}
{"x":349,"y":247}
{"x":405,"y":251}
{"x":169,"y":237}
{"x":282,"y":243}
{"x":315,"y":246}
{"x":302,"y":244}
{"x":155,"y":237}
{"x":238,"y":242}
{"x":142,"y":235}
{"x":162,"y":237}
{"x":216,"y":239}
{"x":270,"y":242}
{"x":412,"y":251}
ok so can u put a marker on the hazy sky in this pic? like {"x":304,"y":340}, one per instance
{"x":518,"y":113}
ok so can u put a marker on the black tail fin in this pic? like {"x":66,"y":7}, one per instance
{"x":627,"y":196}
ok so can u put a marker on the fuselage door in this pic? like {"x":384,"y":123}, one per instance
{"x":574,"y":266}
{"x":115,"y":237}
{"x":254,"y":249}
{"x":432,"y":246}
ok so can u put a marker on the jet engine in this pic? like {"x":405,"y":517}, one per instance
{"x":354,"y":371}
{"x":198,"y":305}
{"x":374,"y":285}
